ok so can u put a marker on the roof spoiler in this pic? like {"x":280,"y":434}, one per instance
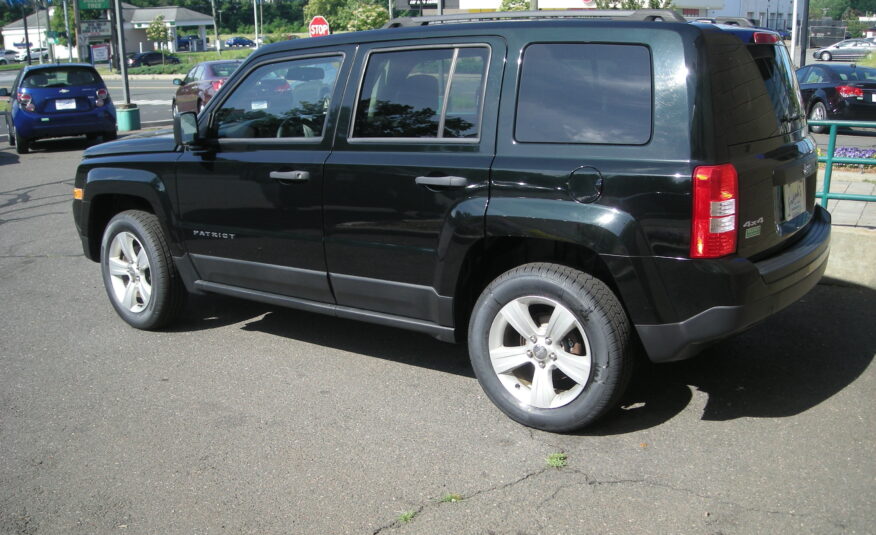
{"x":649,"y":15}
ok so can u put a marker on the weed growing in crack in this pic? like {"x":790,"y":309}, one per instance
{"x":557,"y":460}
{"x":451,"y":497}
{"x":407,"y":516}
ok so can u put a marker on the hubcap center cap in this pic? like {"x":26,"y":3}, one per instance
{"x":540,"y":353}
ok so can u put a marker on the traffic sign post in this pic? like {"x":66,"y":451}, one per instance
{"x":318,"y":27}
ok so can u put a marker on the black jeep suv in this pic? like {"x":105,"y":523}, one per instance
{"x":548,"y":188}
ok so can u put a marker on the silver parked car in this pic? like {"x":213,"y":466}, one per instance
{"x":846,"y":50}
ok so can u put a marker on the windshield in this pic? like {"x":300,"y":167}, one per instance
{"x":60,"y":77}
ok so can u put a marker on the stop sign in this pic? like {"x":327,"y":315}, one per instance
{"x":318,"y":27}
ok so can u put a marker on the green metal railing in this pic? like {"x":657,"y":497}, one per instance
{"x":829,"y":160}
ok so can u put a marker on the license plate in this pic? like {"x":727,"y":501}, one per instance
{"x":65,"y":104}
{"x":795,"y":199}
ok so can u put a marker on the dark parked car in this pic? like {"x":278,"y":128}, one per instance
{"x":841,"y":92}
{"x":845,"y":50}
{"x":147,"y":59}
{"x":200,"y":84}
{"x":555,"y":193}
{"x":239,"y":41}
{"x":58,"y":100}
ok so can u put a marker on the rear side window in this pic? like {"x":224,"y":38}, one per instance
{"x":584,"y":93}
{"x":424,"y":93}
{"x":61,"y":77}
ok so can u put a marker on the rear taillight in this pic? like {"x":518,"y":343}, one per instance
{"x":26,"y":101}
{"x":764,"y":38}
{"x":102,"y":96}
{"x":217,"y":84}
{"x":847,"y":91}
{"x":713,"y":227}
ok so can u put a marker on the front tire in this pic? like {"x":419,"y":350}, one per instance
{"x":138,"y":272}
{"x":825,"y":56}
{"x":818,"y":113}
{"x":550,"y":346}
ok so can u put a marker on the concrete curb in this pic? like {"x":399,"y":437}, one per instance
{"x":852,"y":256}
{"x":115,"y":77}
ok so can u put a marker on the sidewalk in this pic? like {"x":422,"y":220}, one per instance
{"x":853,"y":236}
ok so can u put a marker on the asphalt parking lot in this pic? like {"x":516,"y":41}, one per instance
{"x":245,"y":418}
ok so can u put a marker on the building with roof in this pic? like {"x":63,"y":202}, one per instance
{"x":136,"y":20}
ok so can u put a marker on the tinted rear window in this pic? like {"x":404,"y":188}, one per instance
{"x":754,"y":90}
{"x":223,"y":69}
{"x":60,"y":77}
{"x":585,"y":93}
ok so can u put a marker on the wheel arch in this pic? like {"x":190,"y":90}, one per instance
{"x":492,"y":256}
{"x":110,"y":191}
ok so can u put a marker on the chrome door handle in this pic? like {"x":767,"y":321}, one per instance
{"x":290,"y":176}
{"x":442,"y":181}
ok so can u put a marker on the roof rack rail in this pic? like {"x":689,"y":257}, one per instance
{"x":651,"y":15}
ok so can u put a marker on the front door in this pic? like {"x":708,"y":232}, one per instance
{"x":250,"y":201}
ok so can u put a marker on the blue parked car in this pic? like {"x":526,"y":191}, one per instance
{"x":58,"y":100}
{"x":239,"y":41}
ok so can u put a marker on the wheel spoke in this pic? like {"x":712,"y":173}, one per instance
{"x":542,"y":388}
{"x":560,"y":324}
{"x":142,"y":260}
{"x":127,"y":242}
{"x":517,"y":315}
{"x":129,"y":300}
{"x":145,"y":290}
{"x":118,"y":267}
{"x":576,"y":367}
{"x":506,"y":359}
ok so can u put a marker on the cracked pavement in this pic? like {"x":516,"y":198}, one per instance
{"x":246,"y":418}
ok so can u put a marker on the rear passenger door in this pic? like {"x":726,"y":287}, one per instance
{"x":407,"y":181}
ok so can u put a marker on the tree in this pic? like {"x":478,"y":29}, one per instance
{"x":157,"y":31}
{"x":56,"y":23}
{"x":367,"y":17}
{"x":514,"y":5}
{"x":832,"y":9}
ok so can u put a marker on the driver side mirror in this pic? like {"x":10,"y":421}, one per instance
{"x":4,"y":92}
{"x":185,"y":129}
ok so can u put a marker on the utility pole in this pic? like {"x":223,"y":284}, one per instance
{"x":78,"y":29}
{"x":120,"y":30}
{"x":67,"y":31}
{"x":215,"y":28}
{"x":804,"y":33}
{"x":26,"y":35}
{"x":255,"y":19}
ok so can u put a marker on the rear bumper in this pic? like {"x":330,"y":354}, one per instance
{"x":36,"y":125}
{"x":754,"y":290}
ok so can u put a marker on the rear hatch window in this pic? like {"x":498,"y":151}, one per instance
{"x":760,"y":128}
{"x":62,"y":89}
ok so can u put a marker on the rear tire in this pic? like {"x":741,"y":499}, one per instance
{"x":22,"y":146}
{"x":818,"y":113}
{"x":551,"y":346}
{"x":10,"y":135}
{"x":138,"y":271}
{"x":110,"y":135}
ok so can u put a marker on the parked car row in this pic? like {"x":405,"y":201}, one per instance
{"x":13,"y":56}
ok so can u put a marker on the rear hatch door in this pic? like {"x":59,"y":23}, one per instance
{"x":760,"y":128}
